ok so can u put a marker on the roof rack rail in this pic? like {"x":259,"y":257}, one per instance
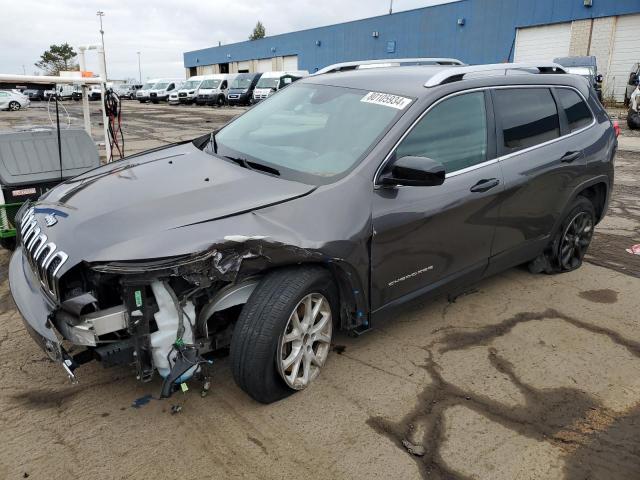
{"x":457,"y":73}
{"x":387,"y":62}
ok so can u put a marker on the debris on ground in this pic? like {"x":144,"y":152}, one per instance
{"x":635,"y":249}
{"x":176,"y":409}
{"x":417,"y":450}
{"x":142,"y":401}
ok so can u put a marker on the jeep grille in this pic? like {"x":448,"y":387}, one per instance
{"x":43,"y":256}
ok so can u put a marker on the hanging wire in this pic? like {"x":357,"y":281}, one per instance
{"x":113,"y":110}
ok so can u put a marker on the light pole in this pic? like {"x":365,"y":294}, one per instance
{"x":139,"y":69}
{"x":391,"y":7}
{"x":100,"y":14}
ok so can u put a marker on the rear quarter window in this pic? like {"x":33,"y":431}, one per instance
{"x":528,"y":116}
{"x":576,"y":110}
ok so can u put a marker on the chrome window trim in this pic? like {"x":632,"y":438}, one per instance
{"x":493,"y":160}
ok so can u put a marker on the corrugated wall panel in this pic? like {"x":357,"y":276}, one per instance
{"x":626,"y":52}
{"x":487,"y":36}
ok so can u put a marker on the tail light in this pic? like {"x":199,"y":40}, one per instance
{"x":616,"y":128}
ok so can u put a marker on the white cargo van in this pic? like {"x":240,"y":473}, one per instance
{"x":271,"y":82}
{"x":160,"y":91}
{"x":213,"y":90}
{"x":142,"y":95}
{"x":189,"y":91}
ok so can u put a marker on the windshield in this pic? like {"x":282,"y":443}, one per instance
{"x":160,"y":86}
{"x":309,"y":133}
{"x":242,"y":82}
{"x":210,"y":84}
{"x":148,"y":85}
{"x":584,"y":71}
{"x":192,"y":84}
{"x":268,"y":83}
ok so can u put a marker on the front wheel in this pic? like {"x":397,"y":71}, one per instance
{"x":14,"y":106}
{"x":283,"y":336}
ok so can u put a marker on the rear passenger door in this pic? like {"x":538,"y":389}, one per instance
{"x":541,"y":163}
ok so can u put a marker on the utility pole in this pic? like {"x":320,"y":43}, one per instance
{"x":391,"y":7}
{"x":100,"y":14}
{"x":139,"y":69}
{"x":24,"y":70}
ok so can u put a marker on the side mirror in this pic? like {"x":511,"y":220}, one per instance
{"x":414,"y":172}
{"x":633,"y":78}
{"x":599,"y":78}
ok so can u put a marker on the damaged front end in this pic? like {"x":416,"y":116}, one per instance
{"x":159,"y":315}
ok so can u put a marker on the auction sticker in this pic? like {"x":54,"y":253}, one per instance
{"x":386,"y":100}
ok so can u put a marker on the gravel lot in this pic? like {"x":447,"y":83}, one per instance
{"x":525,"y":377}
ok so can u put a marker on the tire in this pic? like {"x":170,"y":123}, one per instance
{"x":14,"y":106}
{"x":633,"y":119}
{"x":259,"y":345}
{"x":220,"y":101}
{"x":8,"y":243}
{"x":570,"y":243}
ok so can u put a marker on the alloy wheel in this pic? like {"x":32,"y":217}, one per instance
{"x":14,"y":106}
{"x":304,"y":345}
{"x":575,"y":240}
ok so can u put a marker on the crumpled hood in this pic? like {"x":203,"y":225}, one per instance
{"x":150,"y":195}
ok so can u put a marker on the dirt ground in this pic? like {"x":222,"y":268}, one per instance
{"x":525,"y":377}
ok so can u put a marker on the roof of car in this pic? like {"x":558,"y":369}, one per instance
{"x":410,"y":81}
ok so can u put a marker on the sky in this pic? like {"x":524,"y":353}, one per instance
{"x":161,"y":29}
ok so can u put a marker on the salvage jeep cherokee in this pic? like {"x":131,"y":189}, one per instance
{"x":338,"y":198}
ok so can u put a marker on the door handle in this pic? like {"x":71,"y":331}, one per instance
{"x":485,"y":185}
{"x":571,"y":156}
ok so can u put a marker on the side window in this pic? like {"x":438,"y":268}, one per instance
{"x":578,"y":114}
{"x":224,"y":85}
{"x":454,"y":133}
{"x":529,"y":117}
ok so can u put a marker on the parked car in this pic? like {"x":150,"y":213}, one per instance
{"x":142,"y":95}
{"x":126,"y":90}
{"x":213,"y":90}
{"x":189,"y":91}
{"x":633,"y":115}
{"x":11,"y":100}
{"x":271,"y":82}
{"x":34,"y":94}
{"x":160,"y":91}
{"x":64,"y":92}
{"x":634,"y":81}
{"x":586,"y":67}
{"x":241,"y":89}
{"x":174,"y":98}
{"x":326,"y":206}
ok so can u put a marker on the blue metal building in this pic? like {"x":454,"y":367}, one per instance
{"x":474,"y":31}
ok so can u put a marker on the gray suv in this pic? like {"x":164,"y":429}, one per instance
{"x":324,"y":207}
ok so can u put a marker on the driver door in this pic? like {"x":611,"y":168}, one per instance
{"x":427,"y":237}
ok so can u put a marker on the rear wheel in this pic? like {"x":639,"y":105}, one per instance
{"x":569,"y":246}
{"x":283,"y":336}
{"x":14,"y":106}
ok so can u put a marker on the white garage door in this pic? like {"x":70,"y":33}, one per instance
{"x":264,"y":65}
{"x":290,"y":63}
{"x":542,"y":44}
{"x":626,"y":52}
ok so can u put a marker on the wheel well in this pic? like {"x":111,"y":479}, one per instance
{"x":597,"y":194}
{"x":352,"y":299}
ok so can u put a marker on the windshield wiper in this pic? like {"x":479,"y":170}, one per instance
{"x":243,"y":162}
